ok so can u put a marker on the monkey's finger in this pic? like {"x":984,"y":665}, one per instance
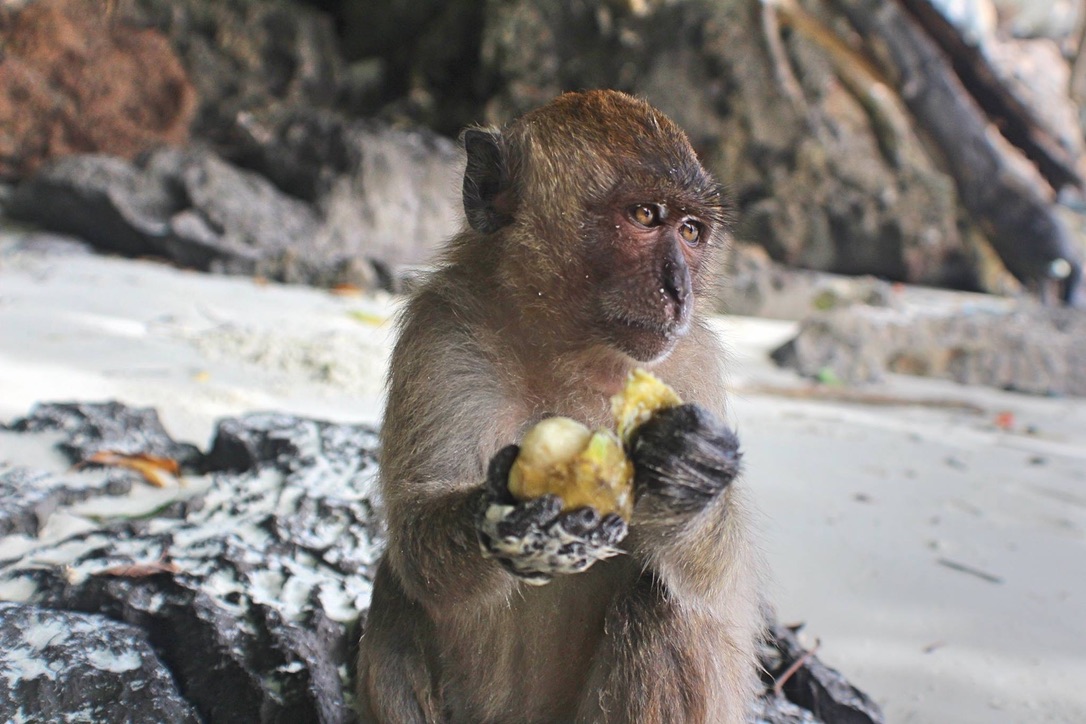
{"x":580,"y":522}
{"x":532,"y":515}
{"x":535,"y":578}
{"x":611,"y":530}
{"x":497,"y":474}
{"x":604,"y":535}
{"x":685,"y":453}
{"x":593,"y":537}
{"x":670,"y":425}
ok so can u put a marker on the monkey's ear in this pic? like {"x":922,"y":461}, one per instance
{"x":488,"y":192}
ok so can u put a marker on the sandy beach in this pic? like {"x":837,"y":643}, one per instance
{"x":935,"y":547}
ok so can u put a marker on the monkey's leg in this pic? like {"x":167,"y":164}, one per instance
{"x":395,"y":680}
{"x":651,"y":665}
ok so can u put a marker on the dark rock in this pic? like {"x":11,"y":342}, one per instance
{"x":103,"y":199}
{"x":188,"y":206}
{"x":815,"y":687}
{"x":382,"y":198}
{"x":1034,"y":349}
{"x":253,"y":594}
{"x":387,"y":194}
{"x":106,"y":427}
{"x":31,"y":496}
{"x":63,"y":666}
{"x":433,"y":70}
{"x":245,"y":56}
{"x":250,"y":596}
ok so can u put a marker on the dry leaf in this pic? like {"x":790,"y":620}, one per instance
{"x":370,"y":318}
{"x":153,"y":468}
{"x":141,"y":570}
{"x":346,"y":290}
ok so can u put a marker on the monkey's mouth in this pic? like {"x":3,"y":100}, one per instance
{"x":646,"y":340}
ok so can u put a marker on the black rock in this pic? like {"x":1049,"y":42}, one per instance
{"x":90,"y":428}
{"x":252,"y":595}
{"x":252,"y":592}
{"x":382,"y":197}
{"x":60,"y":666}
{"x":187,"y":206}
{"x":814,"y":687}
{"x":31,"y":496}
{"x":387,"y":194}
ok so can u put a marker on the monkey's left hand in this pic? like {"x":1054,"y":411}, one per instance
{"x":683,"y":458}
{"x":534,"y":540}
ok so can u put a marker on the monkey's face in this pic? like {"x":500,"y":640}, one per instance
{"x":605,"y":219}
{"x":643,"y":265}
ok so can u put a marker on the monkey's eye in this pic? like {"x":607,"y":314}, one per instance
{"x":690,"y":232}
{"x":646,"y":214}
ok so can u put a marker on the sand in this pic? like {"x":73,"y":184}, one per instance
{"x":939,"y":557}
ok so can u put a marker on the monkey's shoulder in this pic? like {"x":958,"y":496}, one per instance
{"x":443,"y":379}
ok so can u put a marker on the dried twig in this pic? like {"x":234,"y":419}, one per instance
{"x":778,"y":685}
{"x":963,"y":568}
{"x":141,"y":570}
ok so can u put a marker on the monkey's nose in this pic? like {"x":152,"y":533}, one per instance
{"x":676,"y":280}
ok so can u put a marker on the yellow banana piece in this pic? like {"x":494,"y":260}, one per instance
{"x":560,"y":456}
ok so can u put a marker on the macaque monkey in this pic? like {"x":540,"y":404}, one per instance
{"x":592,"y":229}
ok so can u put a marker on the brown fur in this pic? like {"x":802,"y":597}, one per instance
{"x":72,"y":80}
{"x":506,"y":333}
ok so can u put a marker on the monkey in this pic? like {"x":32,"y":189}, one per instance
{"x":588,"y":250}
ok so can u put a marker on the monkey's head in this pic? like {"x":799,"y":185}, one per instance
{"x":602,"y":220}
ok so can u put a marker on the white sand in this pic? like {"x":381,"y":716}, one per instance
{"x":859,"y":503}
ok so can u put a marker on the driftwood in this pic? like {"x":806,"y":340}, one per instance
{"x":1014,"y":118}
{"x":1001,"y":190}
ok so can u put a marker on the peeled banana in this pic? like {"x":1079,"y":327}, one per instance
{"x":561,"y":456}
{"x":642,"y":397}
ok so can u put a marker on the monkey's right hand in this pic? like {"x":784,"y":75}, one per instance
{"x":534,"y":540}
{"x":683,"y":458}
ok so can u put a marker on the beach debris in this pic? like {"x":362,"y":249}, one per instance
{"x":964,"y":568}
{"x":157,"y":470}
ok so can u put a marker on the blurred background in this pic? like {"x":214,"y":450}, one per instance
{"x":907,"y":184}
{"x":929,"y":142}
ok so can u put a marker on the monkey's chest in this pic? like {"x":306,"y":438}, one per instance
{"x":534,"y":655}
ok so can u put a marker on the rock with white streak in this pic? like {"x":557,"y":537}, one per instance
{"x":60,"y":666}
{"x":248,"y":586}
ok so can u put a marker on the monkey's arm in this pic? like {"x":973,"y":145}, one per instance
{"x":455,"y":532}
{"x":446,"y":548}
{"x":687,"y":524}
